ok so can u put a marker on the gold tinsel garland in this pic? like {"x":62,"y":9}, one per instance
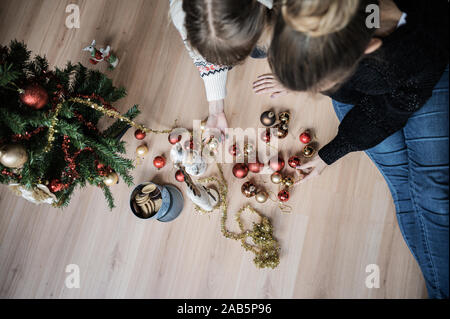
{"x":265,"y":246}
{"x":106,"y":111}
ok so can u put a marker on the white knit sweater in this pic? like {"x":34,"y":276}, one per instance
{"x":214,"y":76}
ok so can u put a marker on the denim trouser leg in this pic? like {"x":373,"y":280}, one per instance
{"x":414,"y":163}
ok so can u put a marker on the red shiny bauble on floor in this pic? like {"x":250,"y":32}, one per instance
{"x":34,"y":96}
{"x":283,"y":195}
{"x":277,"y":164}
{"x":255,"y":167}
{"x":294,"y":161}
{"x":240,"y":170}
{"x":179,"y":176}
{"x":305,"y":137}
{"x":234,"y":150}
{"x":174,"y":138}
{"x":139,"y":135}
{"x":159,"y":162}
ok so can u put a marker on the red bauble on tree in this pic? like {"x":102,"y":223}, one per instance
{"x":240,"y":171}
{"x":283,"y":195}
{"x":305,"y":137}
{"x":294,"y":161}
{"x":139,"y":135}
{"x":55,"y":186}
{"x":159,"y":162}
{"x":34,"y":96}
{"x":179,"y":176}
{"x":277,"y":163}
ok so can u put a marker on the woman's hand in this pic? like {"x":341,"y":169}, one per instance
{"x":313,"y":168}
{"x":217,"y":119}
{"x":268,"y":84}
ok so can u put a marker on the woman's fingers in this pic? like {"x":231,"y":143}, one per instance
{"x":306,"y":166}
{"x":279,"y":94}
{"x":266,"y":76}
{"x":309,"y":177}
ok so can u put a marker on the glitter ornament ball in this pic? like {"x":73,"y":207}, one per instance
{"x":55,"y":186}
{"x":277,"y":164}
{"x":34,"y":96}
{"x":159,"y":162}
{"x":248,"y":189}
{"x":284,"y":117}
{"x":240,"y":170}
{"x":305,"y":137}
{"x":308,"y":151}
{"x":179,"y":176}
{"x":233,"y":150}
{"x":288,"y":181}
{"x":283,"y":196}
{"x":268,"y":118}
{"x":294,"y":161}
{"x":139,"y":135}
{"x":282,"y":132}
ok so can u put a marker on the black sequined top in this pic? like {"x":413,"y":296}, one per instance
{"x":394,"y":81}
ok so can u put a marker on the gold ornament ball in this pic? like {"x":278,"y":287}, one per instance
{"x":308,"y":151}
{"x":276,"y":178}
{"x":261,"y":197}
{"x":288,"y":181}
{"x":13,"y":155}
{"x":248,"y":189}
{"x":142,"y":150}
{"x":248,"y":149}
{"x":111,"y":179}
{"x":285,"y":117}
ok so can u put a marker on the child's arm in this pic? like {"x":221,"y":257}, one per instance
{"x":214,"y":76}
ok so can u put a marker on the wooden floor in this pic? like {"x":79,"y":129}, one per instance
{"x":340,"y":223}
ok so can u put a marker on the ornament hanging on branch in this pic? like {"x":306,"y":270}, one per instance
{"x":111,"y":179}
{"x":13,"y":155}
{"x":34,"y":96}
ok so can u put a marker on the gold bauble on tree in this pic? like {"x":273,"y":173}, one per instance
{"x":111,"y":179}
{"x":13,"y":155}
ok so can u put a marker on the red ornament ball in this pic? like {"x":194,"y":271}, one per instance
{"x":294,"y":161}
{"x":174,"y":138}
{"x":266,"y":136}
{"x":139,"y":135}
{"x":34,"y":96}
{"x":100,"y":166}
{"x":234,"y":150}
{"x":240,"y":171}
{"x":305,"y":137}
{"x":159,"y":162}
{"x":255,"y":167}
{"x":55,"y":186}
{"x":277,"y":164}
{"x":179,"y":176}
{"x":283,"y":196}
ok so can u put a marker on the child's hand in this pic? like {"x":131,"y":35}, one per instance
{"x":217,"y":119}
{"x":267,"y":83}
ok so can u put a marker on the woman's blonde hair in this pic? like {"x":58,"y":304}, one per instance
{"x":319,"y":17}
{"x":317,"y":42}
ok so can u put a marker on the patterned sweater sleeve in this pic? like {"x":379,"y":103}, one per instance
{"x":214,"y":76}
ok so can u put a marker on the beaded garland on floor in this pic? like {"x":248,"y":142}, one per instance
{"x":265,"y":247}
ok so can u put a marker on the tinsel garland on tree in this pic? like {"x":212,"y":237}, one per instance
{"x":39,"y":113}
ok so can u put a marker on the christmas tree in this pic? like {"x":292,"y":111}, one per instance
{"x":49,"y":140}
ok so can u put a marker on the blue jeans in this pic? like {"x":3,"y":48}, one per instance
{"x":415,"y":161}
